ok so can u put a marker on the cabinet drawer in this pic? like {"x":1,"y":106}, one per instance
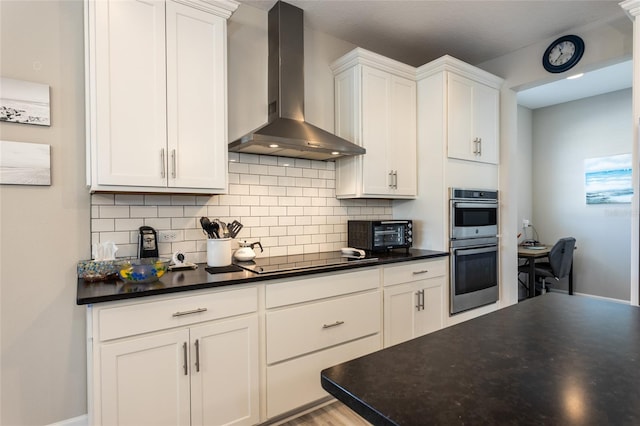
{"x":295,"y":383}
{"x":414,"y":271}
{"x":144,"y":317}
{"x":320,"y":287}
{"x":307,"y":328}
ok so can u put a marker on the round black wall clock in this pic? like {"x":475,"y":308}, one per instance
{"x":563,"y":54}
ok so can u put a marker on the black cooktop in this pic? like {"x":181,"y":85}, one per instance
{"x":266,"y":265}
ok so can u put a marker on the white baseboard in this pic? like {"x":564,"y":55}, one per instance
{"x":610,"y":299}
{"x":76,"y":421}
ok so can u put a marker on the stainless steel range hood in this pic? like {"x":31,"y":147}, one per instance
{"x":287,"y":134}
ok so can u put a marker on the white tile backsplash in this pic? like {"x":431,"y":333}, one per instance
{"x":287,"y":204}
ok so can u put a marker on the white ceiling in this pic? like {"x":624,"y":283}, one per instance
{"x":418,"y":31}
{"x":603,"y":80}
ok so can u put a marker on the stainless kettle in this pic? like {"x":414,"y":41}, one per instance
{"x":245,"y":253}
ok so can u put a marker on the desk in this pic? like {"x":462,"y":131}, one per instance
{"x":531,"y":255}
{"x":551,"y":360}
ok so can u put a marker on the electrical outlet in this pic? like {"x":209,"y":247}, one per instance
{"x":525,"y":223}
{"x":168,"y":236}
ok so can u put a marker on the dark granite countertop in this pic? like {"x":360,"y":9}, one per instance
{"x":186,"y":280}
{"x":551,"y":360}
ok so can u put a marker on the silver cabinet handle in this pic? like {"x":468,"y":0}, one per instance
{"x":476,"y":149}
{"x":184,"y":353}
{"x":173,"y":163}
{"x":420,"y":303}
{"x":162,"y":165}
{"x":480,"y":146}
{"x":420,"y":300}
{"x":193,"y":311}
{"x":424,"y":271}
{"x":335,"y":324}
{"x":390,"y":178}
{"x":197,"y":355}
{"x":395,"y":179}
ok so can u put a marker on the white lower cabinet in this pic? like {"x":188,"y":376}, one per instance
{"x":186,"y":372}
{"x":197,"y":358}
{"x":414,"y":300}
{"x":323,"y":321}
{"x":143,"y":381}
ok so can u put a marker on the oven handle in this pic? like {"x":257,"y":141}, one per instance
{"x":475,"y":205}
{"x":458,"y":251}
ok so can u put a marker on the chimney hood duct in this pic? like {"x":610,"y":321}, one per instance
{"x":287,"y":134}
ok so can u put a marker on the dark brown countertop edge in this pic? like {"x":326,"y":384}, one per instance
{"x":198,"y":279}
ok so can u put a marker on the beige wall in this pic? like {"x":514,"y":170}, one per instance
{"x":563,"y":137}
{"x":44,"y":229}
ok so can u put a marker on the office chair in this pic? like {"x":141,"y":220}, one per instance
{"x":559,"y":264}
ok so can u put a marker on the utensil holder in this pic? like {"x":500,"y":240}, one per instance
{"x":219,"y":252}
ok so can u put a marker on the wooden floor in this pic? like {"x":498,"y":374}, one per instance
{"x":334,"y":414}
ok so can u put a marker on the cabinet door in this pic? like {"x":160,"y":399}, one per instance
{"x":196,"y":99}
{"x":376,"y":100}
{"x":224,"y":373}
{"x":130,"y":98}
{"x":486,"y":118}
{"x":430,"y":317}
{"x":413,"y":309}
{"x":347,"y":125}
{"x":400,"y":307}
{"x":472,"y":120}
{"x":401,"y":146}
{"x":145,"y":380}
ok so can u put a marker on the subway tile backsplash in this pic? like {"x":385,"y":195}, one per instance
{"x":287,"y":204}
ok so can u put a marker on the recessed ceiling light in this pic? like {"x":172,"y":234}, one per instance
{"x":335,"y":153}
{"x":273,"y":145}
{"x":573,"y":77}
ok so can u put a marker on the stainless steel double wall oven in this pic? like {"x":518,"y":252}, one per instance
{"x":474,"y":248}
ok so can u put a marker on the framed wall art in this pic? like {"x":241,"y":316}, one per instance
{"x":608,"y":179}
{"x":24,"y":102}
{"x":23,"y":163}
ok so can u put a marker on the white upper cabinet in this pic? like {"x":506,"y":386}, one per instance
{"x":156,"y":88}
{"x":473,"y":116}
{"x":375,"y":107}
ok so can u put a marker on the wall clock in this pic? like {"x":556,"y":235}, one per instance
{"x":563,"y":54}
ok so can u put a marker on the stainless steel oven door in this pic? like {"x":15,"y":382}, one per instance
{"x":473,"y":219}
{"x":474,"y":274}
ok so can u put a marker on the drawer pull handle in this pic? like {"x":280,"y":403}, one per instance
{"x":335,"y":324}
{"x":424,"y":271}
{"x":193,"y":311}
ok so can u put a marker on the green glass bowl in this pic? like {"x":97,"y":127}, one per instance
{"x":142,"y":271}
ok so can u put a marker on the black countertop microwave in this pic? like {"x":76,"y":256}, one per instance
{"x":379,"y":235}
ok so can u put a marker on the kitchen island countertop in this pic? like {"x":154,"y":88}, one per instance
{"x":186,"y":280}
{"x":552,"y":360}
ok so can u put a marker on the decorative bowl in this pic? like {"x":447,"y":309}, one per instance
{"x":145,"y":270}
{"x":98,"y":270}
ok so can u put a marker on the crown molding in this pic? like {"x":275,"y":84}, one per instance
{"x":631,"y":7}
{"x":360,"y":56}
{"x":222,"y":8}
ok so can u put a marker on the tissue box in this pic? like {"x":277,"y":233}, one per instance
{"x":98,"y":270}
